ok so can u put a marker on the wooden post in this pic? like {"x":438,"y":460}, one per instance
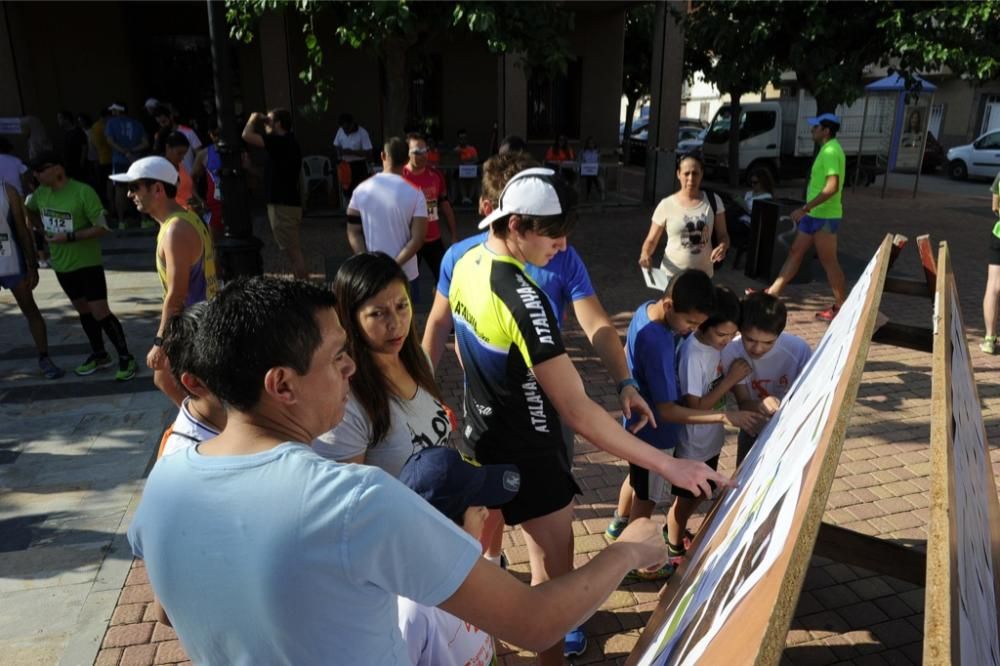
{"x":962,"y":602}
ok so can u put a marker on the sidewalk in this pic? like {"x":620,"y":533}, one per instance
{"x":58,"y":592}
{"x":72,"y":455}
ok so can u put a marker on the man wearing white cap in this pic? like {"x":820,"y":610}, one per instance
{"x":819,"y":219}
{"x":185,"y":256}
{"x":520,"y":382}
{"x":127,"y":139}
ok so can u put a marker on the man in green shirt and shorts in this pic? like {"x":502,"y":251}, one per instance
{"x":992,"y":295}
{"x":819,"y":219}
{"x":73,"y":219}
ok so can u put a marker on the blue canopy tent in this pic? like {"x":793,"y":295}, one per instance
{"x":896,"y":84}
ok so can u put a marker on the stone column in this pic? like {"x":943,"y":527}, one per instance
{"x":664,"y":112}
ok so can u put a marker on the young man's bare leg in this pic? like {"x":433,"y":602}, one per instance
{"x":677,"y":520}
{"x":36,"y":324}
{"x":990,"y":299}
{"x":641,"y":508}
{"x":793,"y":262}
{"x":492,"y":539}
{"x":550,"y":552}
{"x":826,"y":248}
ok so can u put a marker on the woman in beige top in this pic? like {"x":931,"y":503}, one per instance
{"x":687,"y":217}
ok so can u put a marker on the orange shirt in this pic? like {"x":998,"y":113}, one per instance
{"x":467,"y":153}
{"x":185,"y":188}
{"x":554,"y":155}
{"x":433,"y":157}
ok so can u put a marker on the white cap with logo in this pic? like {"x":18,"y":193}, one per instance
{"x":151,"y":168}
{"x":537,"y":192}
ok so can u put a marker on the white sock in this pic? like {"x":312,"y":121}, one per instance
{"x":493,"y":559}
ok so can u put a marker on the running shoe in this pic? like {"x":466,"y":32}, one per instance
{"x":93,"y":363}
{"x":126,"y":369}
{"x":615,"y":527}
{"x":576,"y":643}
{"x":989,"y":344}
{"x":685,"y":540}
{"x":639,"y":575}
{"x":828,"y":314}
{"x":50,"y":369}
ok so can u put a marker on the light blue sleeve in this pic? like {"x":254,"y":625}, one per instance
{"x":396,"y":541}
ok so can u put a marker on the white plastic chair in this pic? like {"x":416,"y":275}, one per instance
{"x":317,"y":172}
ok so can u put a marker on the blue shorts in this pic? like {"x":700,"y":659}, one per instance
{"x":810,"y":225}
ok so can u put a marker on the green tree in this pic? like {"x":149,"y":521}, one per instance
{"x":637,"y":70}
{"x":733,"y":45}
{"x":395,"y":31}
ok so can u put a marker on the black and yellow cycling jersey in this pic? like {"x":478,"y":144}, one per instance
{"x":504,"y":326}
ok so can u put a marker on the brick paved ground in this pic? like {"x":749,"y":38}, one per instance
{"x":845,"y":615}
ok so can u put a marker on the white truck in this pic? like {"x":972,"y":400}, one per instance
{"x":775,"y":135}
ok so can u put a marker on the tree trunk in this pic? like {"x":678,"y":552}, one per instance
{"x":396,"y":89}
{"x":629,"y":111}
{"x":825,"y":105}
{"x":734,"y":138}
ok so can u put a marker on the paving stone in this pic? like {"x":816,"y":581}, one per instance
{"x":128,"y":634}
{"x":134,"y":594}
{"x":138,"y":655}
{"x":169,"y":652}
{"x":895,"y":633}
{"x":128,"y":614}
{"x":871,"y":588}
{"x":109,"y":657}
{"x":162,"y":632}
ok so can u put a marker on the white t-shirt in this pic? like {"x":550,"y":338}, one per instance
{"x":388,"y":203}
{"x":774,"y":372}
{"x":689,"y":233}
{"x":195,"y":142}
{"x":187,"y":431}
{"x":11,"y":170}
{"x":10,"y":253}
{"x":436,"y":638}
{"x":417,"y":424}
{"x":357,"y":140}
{"x":700,"y":370}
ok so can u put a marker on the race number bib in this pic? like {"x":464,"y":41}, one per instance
{"x":57,"y":222}
{"x":589,"y":169}
{"x":468,"y":171}
{"x":432,"y":210}
{"x":6,"y":245}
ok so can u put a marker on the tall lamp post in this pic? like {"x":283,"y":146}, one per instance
{"x":239,"y":250}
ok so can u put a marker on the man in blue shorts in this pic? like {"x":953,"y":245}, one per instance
{"x":819,"y":219}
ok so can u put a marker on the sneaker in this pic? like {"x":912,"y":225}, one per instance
{"x":503,"y":561}
{"x":126,"y":369}
{"x":639,"y":575}
{"x":828,"y":314}
{"x":50,"y":369}
{"x":93,"y":363}
{"x":685,"y":540}
{"x":615,"y":527}
{"x":576,"y":643}
{"x":989,"y":344}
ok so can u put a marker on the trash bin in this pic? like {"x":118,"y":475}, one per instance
{"x":771,"y":236}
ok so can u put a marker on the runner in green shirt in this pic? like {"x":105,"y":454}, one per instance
{"x":72,"y":218}
{"x":992,"y":295}
{"x":819,"y":219}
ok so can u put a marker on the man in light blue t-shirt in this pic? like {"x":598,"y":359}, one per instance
{"x":260,"y":551}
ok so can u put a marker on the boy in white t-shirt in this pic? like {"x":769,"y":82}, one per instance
{"x":202,"y":416}
{"x":703,"y":386}
{"x":460,"y":489}
{"x":776,"y":359}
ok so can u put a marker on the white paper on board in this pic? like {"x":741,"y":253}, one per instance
{"x":656,"y":278}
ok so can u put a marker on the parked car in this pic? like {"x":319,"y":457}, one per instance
{"x":689,"y":129}
{"x":979,"y":158}
{"x":691,"y":145}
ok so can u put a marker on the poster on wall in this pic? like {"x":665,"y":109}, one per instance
{"x":731,"y":603}
{"x":911,"y":140}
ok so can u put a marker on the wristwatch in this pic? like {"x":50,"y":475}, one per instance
{"x":157,"y":341}
{"x":623,"y":384}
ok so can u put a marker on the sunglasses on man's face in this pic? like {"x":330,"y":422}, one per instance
{"x":418,"y":151}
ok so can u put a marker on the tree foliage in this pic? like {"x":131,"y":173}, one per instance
{"x":394,"y":30}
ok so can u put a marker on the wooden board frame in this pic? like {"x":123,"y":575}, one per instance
{"x":950,"y":636}
{"x":755,"y":625}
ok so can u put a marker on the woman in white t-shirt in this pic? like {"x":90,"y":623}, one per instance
{"x":394,"y":408}
{"x":688,"y":218}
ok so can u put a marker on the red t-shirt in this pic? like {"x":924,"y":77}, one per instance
{"x":431,"y":183}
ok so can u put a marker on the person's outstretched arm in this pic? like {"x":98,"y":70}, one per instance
{"x":537,"y":617}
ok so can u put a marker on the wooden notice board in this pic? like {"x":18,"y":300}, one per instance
{"x":732,"y":601}
{"x":962,"y":600}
